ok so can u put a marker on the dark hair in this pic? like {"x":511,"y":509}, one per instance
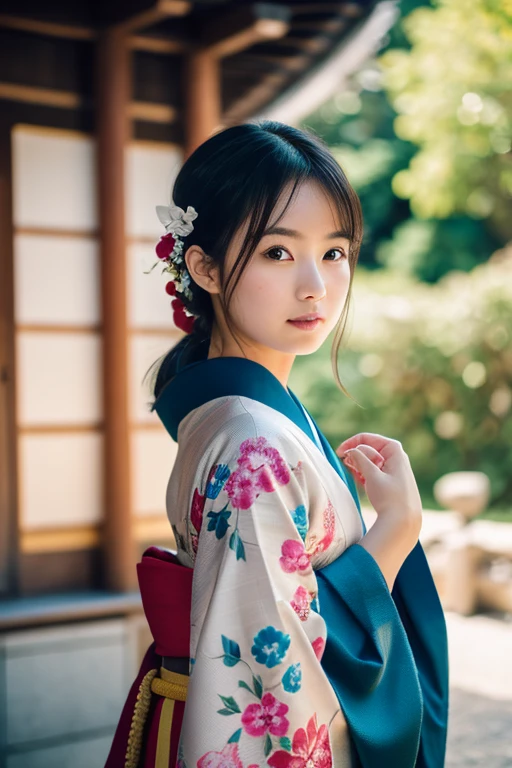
{"x":237,"y":175}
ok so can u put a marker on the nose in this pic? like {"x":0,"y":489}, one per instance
{"x":311,"y":283}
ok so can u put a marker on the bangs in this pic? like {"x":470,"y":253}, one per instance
{"x":265,"y":194}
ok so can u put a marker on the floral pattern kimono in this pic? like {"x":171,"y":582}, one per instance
{"x":299,"y":655}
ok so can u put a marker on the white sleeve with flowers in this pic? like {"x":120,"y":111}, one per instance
{"x":259,"y":525}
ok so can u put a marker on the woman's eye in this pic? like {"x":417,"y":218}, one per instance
{"x":274,"y":250}
{"x":339,"y":250}
{"x":277,"y":249}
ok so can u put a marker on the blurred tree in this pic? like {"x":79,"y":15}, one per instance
{"x":453,"y":94}
{"x":359,"y":126}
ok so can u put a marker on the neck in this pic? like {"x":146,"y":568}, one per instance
{"x":278,"y":363}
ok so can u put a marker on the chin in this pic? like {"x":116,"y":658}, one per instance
{"x":304,"y":347}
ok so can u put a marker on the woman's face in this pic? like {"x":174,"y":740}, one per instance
{"x":299,"y":267}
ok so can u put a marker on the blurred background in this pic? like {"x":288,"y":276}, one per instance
{"x":100,"y":103}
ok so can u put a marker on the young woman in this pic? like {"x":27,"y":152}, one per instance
{"x":311,"y":642}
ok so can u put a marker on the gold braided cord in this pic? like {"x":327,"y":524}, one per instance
{"x":140,"y":713}
{"x":171,"y":690}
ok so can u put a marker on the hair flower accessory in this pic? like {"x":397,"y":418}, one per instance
{"x":178,"y":224}
{"x":175,"y":220}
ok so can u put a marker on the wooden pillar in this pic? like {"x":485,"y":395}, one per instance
{"x":113,"y":93}
{"x":9,"y":536}
{"x":202,"y":98}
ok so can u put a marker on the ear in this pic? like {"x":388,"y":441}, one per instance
{"x":203,"y":269}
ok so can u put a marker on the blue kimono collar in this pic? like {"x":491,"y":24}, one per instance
{"x":197,"y":383}
{"x":202,"y":381}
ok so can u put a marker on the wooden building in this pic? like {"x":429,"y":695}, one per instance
{"x":99,"y":104}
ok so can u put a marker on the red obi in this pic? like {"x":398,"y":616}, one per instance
{"x":148,"y":731}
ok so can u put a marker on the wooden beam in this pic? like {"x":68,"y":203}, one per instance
{"x":151,"y":43}
{"x":251,"y":62}
{"x":112,"y":97}
{"x":162,"y":9}
{"x":46,"y":96}
{"x":202,"y":98}
{"x":255,"y":97}
{"x":59,"y":539}
{"x":51,"y":29}
{"x":230,"y":32}
{"x":152,"y":113}
{"x":154,"y":44}
{"x":136,"y":110}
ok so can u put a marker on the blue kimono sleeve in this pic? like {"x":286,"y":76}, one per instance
{"x":386,"y":658}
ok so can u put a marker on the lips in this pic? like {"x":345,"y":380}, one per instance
{"x":305,"y":318}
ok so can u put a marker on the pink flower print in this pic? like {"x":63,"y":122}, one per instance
{"x":267,"y":716}
{"x":256,"y":453}
{"x":294,"y":557}
{"x":311,"y":748}
{"x":318,"y":647}
{"x":329,"y":522}
{"x":300,"y":602}
{"x":228,"y":758}
{"x":243,"y":487}
{"x":258,"y":465}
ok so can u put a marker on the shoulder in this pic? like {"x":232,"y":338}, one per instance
{"x":238,"y":419}
{"x":225,"y":430}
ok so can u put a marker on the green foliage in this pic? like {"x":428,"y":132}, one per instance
{"x":429,"y":365}
{"x":452,"y":91}
{"x":359,"y":125}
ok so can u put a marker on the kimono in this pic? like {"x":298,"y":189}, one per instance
{"x":299,"y":654}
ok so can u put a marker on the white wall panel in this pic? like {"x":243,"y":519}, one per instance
{"x":59,"y":378}
{"x":150,"y":174}
{"x":144,"y":351}
{"x":149,"y":306}
{"x":53,"y":180}
{"x":153,"y":457}
{"x":61,"y":480}
{"x":56,"y":280}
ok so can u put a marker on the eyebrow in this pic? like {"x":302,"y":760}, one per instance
{"x":293,"y":233}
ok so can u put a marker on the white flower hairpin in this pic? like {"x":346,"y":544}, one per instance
{"x":176,"y":220}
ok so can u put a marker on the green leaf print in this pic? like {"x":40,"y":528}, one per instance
{"x":230,"y":703}
{"x":235,"y":737}
{"x":237,"y":545}
{"x":258,"y":686}
{"x":285,"y":743}
{"x":268,"y":745}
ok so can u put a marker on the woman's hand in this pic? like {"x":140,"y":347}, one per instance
{"x":385,"y":469}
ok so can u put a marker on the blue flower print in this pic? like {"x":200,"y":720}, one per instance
{"x":292,"y":678}
{"x":216,"y":484}
{"x":270,"y":646}
{"x":299,"y":517}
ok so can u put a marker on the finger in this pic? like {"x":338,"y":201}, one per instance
{"x":372,"y":454}
{"x":353,"y":469}
{"x":385,"y":445}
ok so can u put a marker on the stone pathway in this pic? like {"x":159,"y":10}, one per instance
{"x":480,"y":722}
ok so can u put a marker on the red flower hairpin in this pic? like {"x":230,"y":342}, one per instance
{"x":178,"y":224}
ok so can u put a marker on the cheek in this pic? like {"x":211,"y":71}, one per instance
{"x":258,"y":287}
{"x":338,"y":282}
